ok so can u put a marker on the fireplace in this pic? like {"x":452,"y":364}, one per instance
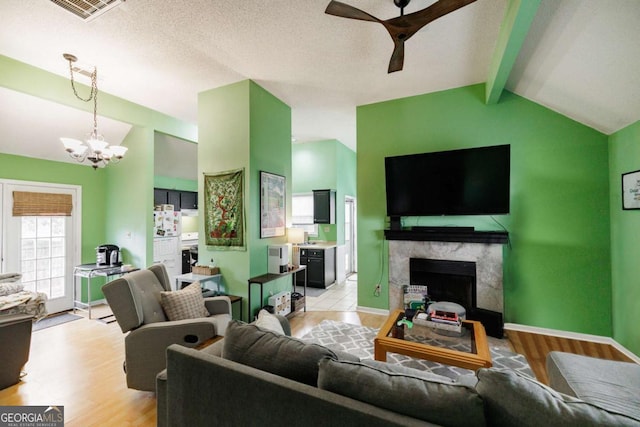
{"x":453,"y":281}
{"x":479,"y":292}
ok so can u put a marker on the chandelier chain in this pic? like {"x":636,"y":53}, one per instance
{"x":93,"y":95}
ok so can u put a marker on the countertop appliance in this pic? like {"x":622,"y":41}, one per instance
{"x":108,"y":255}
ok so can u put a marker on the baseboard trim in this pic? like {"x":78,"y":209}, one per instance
{"x":573,"y":335}
{"x":371,"y":310}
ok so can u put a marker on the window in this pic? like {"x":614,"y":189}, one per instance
{"x":302,"y":213}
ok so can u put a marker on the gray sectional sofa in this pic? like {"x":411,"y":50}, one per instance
{"x":258,"y":377}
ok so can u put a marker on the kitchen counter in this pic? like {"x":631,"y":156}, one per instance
{"x":318,"y":245}
{"x":320,"y":259}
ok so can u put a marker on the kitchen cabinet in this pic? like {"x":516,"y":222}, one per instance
{"x":324,"y":206}
{"x":179,"y":199}
{"x":321,"y":266}
{"x":188,"y":200}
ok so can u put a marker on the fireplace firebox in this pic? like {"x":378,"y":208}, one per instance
{"x":454,"y":281}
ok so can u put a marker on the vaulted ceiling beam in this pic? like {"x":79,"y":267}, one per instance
{"x":514,"y":29}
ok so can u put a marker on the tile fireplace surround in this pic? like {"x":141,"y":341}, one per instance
{"x":486,"y":255}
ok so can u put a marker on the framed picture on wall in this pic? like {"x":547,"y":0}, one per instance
{"x":272,"y":205}
{"x":631,"y":190}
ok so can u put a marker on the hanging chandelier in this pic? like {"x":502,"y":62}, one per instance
{"x":94,"y":149}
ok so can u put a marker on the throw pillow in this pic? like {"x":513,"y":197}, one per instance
{"x":407,"y":391}
{"x":278,"y":354}
{"x":512,"y":399}
{"x":186,"y":303}
{"x":269,"y":322}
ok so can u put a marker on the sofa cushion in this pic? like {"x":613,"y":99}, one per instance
{"x":408,"y":391}
{"x":275,"y":353}
{"x":608,"y":384}
{"x":186,"y":303}
{"x":269,"y":322}
{"x":514,"y":399}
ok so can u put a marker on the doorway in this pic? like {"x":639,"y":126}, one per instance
{"x":350,"y":235}
{"x":43,"y":247}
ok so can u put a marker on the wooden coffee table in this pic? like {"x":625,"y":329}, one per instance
{"x":476,"y":337}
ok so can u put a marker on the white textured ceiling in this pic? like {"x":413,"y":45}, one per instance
{"x":581,"y":57}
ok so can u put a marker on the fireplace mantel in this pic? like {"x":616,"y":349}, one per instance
{"x":448,"y":234}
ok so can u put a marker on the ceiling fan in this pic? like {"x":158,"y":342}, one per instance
{"x":404,"y":26}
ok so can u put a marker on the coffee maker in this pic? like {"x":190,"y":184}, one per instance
{"x":108,"y":255}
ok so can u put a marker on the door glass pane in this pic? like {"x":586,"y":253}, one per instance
{"x":43,"y":248}
{"x":28,"y":249}
{"x":57,"y":226}
{"x":28,"y":227}
{"x":44,"y":226}
{"x":57,"y":247}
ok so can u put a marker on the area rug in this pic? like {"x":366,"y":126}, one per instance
{"x":55,"y":320}
{"x":358,"y":340}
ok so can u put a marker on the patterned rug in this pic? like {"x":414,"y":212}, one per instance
{"x":358,"y":340}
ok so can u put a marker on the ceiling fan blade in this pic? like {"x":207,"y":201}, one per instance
{"x":413,"y":22}
{"x":343,"y":10}
{"x":397,"y":57}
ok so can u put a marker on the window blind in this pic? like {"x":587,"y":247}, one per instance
{"x":41,"y":204}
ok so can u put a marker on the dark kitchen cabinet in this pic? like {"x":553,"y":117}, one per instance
{"x":159,"y":196}
{"x":324,"y":206}
{"x":173,"y":198}
{"x":188,"y":200}
{"x":179,"y":199}
{"x":321,"y":267}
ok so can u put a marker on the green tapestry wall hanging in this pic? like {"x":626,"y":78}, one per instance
{"x":224,"y":210}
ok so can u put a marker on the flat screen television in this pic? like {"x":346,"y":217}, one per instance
{"x":472,"y":181}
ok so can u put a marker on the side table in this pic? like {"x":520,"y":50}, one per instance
{"x":187,"y":278}
{"x":89,"y":271}
{"x":266,"y":278}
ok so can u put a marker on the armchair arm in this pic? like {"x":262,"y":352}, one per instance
{"x":145,"y":347}
{"x":218,"y":305}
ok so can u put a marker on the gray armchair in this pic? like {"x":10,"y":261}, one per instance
{"x":135,"y":302}
{"x":15,"y":336}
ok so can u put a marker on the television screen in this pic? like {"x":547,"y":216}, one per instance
{"x":472,"y":181}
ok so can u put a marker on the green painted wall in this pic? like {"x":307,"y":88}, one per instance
{"x":558,"y":269}
{"x":244,"y":126}
{"x":321,"y":165}
{"x":172,"y":183}
{"x":132,"y":205}
{"x":624,"y":156}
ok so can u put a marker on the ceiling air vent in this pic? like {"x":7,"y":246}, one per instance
{"x":88,"y":9}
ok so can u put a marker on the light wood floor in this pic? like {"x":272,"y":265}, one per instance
{"x":79,"y":365}
{"x":536,"y":347}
